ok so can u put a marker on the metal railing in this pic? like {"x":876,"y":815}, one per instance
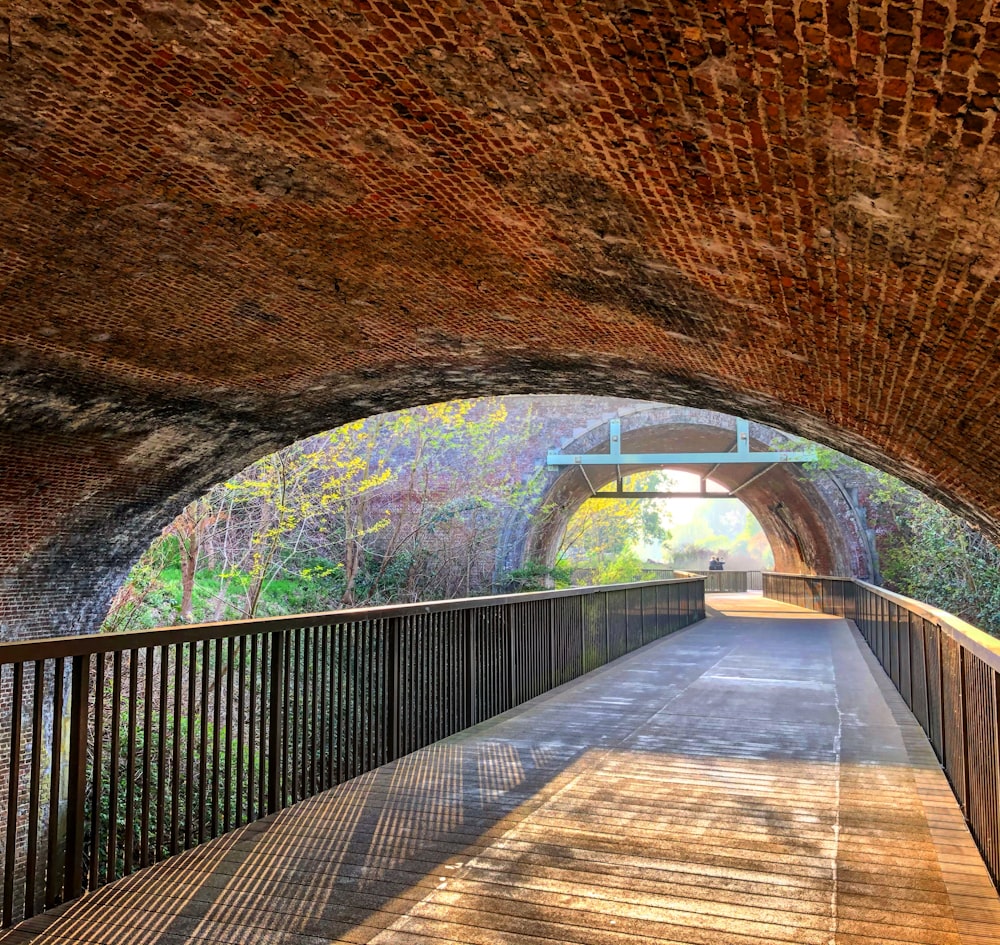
{"x":726,"y":582}
{"x":119,"y":751}
{"x":947,"y":672}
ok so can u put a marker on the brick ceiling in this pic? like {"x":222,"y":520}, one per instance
{"x":227,"y":224}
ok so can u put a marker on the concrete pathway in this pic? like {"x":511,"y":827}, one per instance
{"x":753,"y":779}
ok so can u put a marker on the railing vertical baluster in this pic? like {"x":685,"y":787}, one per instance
{"x":442,"y":688}
{"x":353,"y":707}
{"x":968,"y":751}
{"x":364,"y":702}
{"x":348,"y":702}
{"x":360,"y":747}
{"x":244,"y":782}
{"x":96,"y":792}
{"x":358,"y":702}
{"x":275,"y":746}
{"x":203,"y":741}
{"x":454,"y":684}
{"x":507,"y":629}
{"x":295,"y":727}
{"x":331,"y":684}
{"x":34,"y":789}
{"x":994,"y":840}
{"x":130,"y":749}
{"x":941,"y":696}
{"x":13,"y":792}
{"x":216,"y":736}
{"x":425,"y":662}
{"x":607,"y":627}
{"x":161,"y":754}
{"x":278,"y":714}
{"x":255,"y":734}
{"x":76,"y":796}
{"x":385,"y":633}
{"x":323,"y":677}
{"x":367,"y":720}
{"x":147,"y":759}
{"x":54,"y":859}
{"x":268,"y":756}
{"x":378,"y":670}
{"x":114,"y":759}
{"x":471,"y":669}
{"x":227,"y":797}
{"x":175,"y":767}
{"x":192,"y":694}
{"x":552,"y":643}
{"x":434,"y":694}
{"x":307,"y":714}
{"x":950,"y":680}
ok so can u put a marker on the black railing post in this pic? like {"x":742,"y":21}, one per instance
{"x":552,"y":643}
{"x":995,"y":692}
{"x":607,"y":628}
{"x":79,"y":713}
{"x":13,"y":792}
{"x":963,"y":733}
{"x":508,"y":625}
{"x":55,"y":860}
{"x":471,"y":668}
{"x":392,"y":690}
{"x":73,"y":806}
{"x":276,"y":741}
{"x":942,"y":727}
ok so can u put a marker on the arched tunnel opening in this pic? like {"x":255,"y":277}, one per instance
{"x":229,"y":226}
{"x":452,"y":499}
{"x":811,"y":522}
{"x":668,"y":518}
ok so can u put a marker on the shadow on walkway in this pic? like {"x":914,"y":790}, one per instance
{"x":747,"y":780}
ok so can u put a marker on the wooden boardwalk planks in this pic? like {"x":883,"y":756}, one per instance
{"x":754,"y":779}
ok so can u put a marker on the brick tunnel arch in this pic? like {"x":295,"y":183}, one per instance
{"x":228,"y":227}
{"x":809,"y":518}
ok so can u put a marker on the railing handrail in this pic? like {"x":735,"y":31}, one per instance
{"x":123,"y":749}
{"x":703,"y":571}
{"x":986,"y":647}
{"x":946,"y":672}
{"x":90,"y":644}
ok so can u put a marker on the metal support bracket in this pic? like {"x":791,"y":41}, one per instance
{"x":741,"y":455}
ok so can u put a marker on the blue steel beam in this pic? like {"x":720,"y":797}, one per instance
{"x":741,"y":455}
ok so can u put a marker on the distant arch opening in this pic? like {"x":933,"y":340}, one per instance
{"x":808,"y":519}
{"x":611,"y":540}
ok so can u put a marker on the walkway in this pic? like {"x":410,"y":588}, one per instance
{"x":753,"y":779}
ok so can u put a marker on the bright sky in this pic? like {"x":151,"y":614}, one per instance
{"x":683,"y":511}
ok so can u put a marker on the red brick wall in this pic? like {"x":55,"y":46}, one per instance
{"x":811,"y":523}
{"x":228,"y":225}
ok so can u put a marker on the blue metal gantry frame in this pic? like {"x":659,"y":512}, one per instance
{"x":740,"y":455}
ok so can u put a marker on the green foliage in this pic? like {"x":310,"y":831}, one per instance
{"x":625,"y":567}
{"x":925,"y":551}
{"x":602,"y":536}
{"x":932,"y":555}
{"x":356,"y":515}
{"x":535,"y":576}
{"x":144,"y":590}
